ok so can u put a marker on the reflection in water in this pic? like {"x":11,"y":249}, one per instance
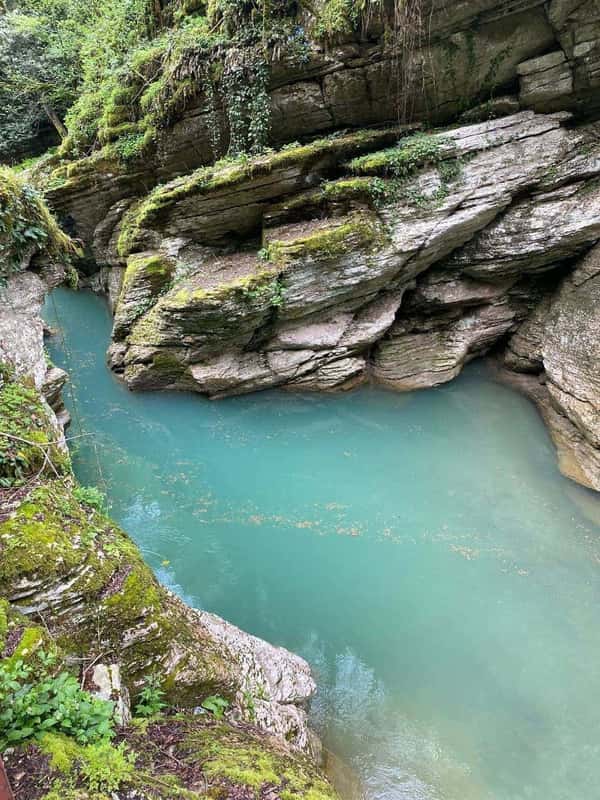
{"x":421,"y":551}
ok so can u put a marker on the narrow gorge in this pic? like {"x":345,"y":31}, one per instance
{"x":316,"y":215}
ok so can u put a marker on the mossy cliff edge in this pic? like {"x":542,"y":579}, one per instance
{"x":75,"y":589}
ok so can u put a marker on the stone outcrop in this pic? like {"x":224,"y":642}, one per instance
{"x":335,"y":264}
{"x":546,"y":54}
{"x":559,"y":345}
{"x":369,"y":269}
{"x":22,"y":338}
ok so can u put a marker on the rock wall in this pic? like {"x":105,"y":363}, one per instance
{"x":554,"y":356}
{"x":545,"y":55}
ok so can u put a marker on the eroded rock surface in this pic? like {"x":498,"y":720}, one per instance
{"x":559,"y":345}
{"x":507,"y":199}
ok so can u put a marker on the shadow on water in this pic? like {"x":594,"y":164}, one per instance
{"x":421,"y":551}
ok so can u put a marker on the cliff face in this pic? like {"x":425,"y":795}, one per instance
{"x":452,"y":57}
{"x":377,"y":253}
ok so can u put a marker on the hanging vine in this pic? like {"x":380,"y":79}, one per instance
{"x":410,"y":31}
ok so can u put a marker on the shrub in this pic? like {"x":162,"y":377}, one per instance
{"x":150,"y":698}
{"x":91,"y":496}
{"x":33,"y":701}
{"x":26,"y":224}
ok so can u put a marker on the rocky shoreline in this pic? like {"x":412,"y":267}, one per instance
{"x":74,"y":583}
{"x":464,"y":259}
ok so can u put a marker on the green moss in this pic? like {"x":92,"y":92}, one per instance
{"x":28,"y":440}
{"x":49,"y":535}
{"x":100,"y":768}
{"x":348,"y":189}
{"x":33,"y":638}
{"x":139,"y":595}
{"x":155,"y":266}
{"x":251,"y":761}
{"x":356,"y":232}
{"x":62,"y":750}
{"x":167,"y":367}
{"x":402,"y":160}
{"x":229,"y":173}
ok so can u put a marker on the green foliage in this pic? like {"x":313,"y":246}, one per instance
{"x":105,"y":767}
{"x":26,"y":225}
{"x":217,"y":705}
{"x":150,"y":699}
{"x":248,"y":106}
{"x":339,"y":17}
{"x":91,"y":496}
{"x":27,"y":439}
{"x":399,"y":164}
{"x":404,"y":159}
{"x":101,"y":767}
{"x":34,"y":700}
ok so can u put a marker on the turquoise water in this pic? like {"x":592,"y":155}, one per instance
{"x":421,"y":551}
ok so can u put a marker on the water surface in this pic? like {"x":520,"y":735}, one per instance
{"x":421,"y":551}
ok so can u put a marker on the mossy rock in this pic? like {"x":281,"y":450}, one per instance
{"x":167,"y":758}
{"x":148,"y":275}
{"x":96,"y":595}
{"x":29,"y":441}
{"x":327,"y":240}
{"x":404,"y":159}
{"x":222,"y":178}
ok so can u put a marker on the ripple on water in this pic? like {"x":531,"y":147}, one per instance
{"x":422,"y":551}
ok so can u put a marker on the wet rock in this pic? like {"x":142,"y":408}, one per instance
{"x":560,"y":341}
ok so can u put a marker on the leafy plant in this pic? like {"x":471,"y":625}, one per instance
{"x":26,"y":225}
{"x":250,"y":706}
{"x":150,"y":698}
{"x":33,"y":701}
{"x":91,"y":496}
{"x":217,"y":705}
{"x":105,"y":766}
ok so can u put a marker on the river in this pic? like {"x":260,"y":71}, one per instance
{"x":421,"y":550}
